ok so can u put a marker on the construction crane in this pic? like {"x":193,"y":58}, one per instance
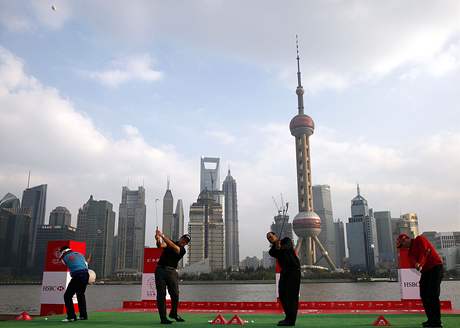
{"x":281,"y":211}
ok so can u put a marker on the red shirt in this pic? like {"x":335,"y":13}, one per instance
{"x":421,"y":251}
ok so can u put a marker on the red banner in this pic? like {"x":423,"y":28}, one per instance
{"x":151,"y":258}
{"x":53,"y":263}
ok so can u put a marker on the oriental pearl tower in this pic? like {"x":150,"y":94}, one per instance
{"x":306,"y":224}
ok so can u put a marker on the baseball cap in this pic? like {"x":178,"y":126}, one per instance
{"x":400,"y":239}
{"x":187,"y":236}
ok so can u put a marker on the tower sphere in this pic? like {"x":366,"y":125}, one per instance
{"x":302,"y":124}
{"x":299,"y":91}
{"x":307,"y":224}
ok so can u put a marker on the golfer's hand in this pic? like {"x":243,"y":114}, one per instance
{"x":418,"y":266}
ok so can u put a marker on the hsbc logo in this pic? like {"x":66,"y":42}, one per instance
{"x":410,"y":284}
{"x":49,"y":288}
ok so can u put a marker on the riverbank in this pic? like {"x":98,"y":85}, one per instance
{"x":221,"y":282}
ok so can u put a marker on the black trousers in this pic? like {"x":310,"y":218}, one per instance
{"x":430,"y":288}
{"x":77,"y":285}
{"x":167,"y":277}
{"x":288,"y":290}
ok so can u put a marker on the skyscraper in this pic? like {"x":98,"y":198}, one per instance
{"x":339,"y":243}
{"x":178,"y":225}
{"x":281,"y":226}
{"x":60,"y":216}
{"x":178,"y":221}
{"x":232,"y":247}
{"x":385,"y":238}
{"x":307,"y":224}
{"x":206,"y":229}
{"x":96,"y":226}
{"x":15,"y":225}
{"x":210,"y":176}
{"x":131,"y":231}
{"x":35,"y":199}
{"x":10,"y":201}
{"x":322,"y":204}
{"x":362,"y":236}
{"x":409,"y":224}
{"x":168,"y":208}
{"x":406,"y":223}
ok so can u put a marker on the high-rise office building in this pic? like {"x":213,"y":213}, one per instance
{"x":15,"y":226}
{"x":10,"y":201}
{"x":322,"y":205}
{"x":206,"y":229}
{"x":281,"y":226}
{"x":178,"y":225}
{"x":306,"y":224}
{"x":409,"y":224}
{"x":60,"y":216}
{"x":168,"y":214}
{"x":35,"y":199}
{"x":406,"y":223}
{"x":447,"y":245}
{"x":232,"y":247}
{"x":362,"y":236}
{"x":178,"y":221}
{"x":131,"y":231}
{"x":96,"y":226}
{"x":48,"y":232}
{"x":210,"y":173}
{"x":385,"y":238}
{"x":339,"y":243}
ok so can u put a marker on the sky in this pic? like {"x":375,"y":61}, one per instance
{"x":96,"y":95}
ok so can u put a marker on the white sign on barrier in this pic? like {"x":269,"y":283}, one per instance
{"x":53,"y":287}
{"x":409,"y":284}
{"x":149,"y":291}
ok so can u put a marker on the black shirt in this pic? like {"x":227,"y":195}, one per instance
{"x":286,"y":255}
{"x":170,"y":258}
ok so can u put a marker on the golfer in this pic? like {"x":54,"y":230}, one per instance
{"x":289,"y":284}
{"x":166,"y":274}
{"x":426,"y":260}
{"x":79,"y":272}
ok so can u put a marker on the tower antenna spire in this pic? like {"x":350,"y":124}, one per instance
{"x":167,"y":184}
{"x":299,"y":81}
{"x":299,"y":91}
{"x":28,"y":181}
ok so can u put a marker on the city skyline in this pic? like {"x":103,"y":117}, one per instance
{"x":386,"y":111}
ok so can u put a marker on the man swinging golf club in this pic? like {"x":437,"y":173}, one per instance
{"x":429,"y":263}
{"x":166,"y":274}
{"x":78,"y":267}
{"x":289,"y":284}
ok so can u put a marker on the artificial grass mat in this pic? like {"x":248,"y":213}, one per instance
{"x":124,"y":319}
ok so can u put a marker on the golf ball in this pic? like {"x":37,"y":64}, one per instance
{"x":46,"y":318}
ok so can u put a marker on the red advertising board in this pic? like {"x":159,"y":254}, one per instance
{"x":53,"y":263}
{"x":151,"y":258}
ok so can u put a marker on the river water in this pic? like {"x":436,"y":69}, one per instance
{"x":15,"y":299}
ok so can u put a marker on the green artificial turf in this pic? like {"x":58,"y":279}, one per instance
{"x":115,"y":320}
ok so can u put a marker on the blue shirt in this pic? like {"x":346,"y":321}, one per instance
{"x":75,"y":262}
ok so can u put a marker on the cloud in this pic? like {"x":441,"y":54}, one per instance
{"x":128,"y":69}
{"x":42,"y":131}
{"x":342,"y":43}
{"x":221,"y":137}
